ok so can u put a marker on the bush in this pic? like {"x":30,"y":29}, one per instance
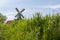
{"x":36,"y":28}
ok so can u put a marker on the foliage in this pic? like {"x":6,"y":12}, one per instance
{"x":2,"y":18}
{"x":36,"y":28}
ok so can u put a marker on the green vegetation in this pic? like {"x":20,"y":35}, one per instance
{"x":37,"y":28}
{"x":2,"y":18}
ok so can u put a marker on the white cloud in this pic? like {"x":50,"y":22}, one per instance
{"x":3,"y":2}
{"x":52,"y":6}
{"x":10,"y":14}
{"x":49,"y":6}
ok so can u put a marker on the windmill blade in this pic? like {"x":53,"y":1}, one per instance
{"x":22,"y":15}
{"x":16,"y":15}
{"x":17,"y":9}
{"x":22,"y":10}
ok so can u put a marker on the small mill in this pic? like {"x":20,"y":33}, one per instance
{"x":19,"y":14}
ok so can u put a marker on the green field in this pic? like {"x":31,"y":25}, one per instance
{"x":36,"y":28}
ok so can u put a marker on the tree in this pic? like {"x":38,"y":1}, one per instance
{"x":2,"y":18}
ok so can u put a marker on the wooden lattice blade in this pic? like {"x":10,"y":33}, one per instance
{"x":17,"y":9}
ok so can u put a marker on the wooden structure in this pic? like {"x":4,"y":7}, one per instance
{"x":19,"y":15}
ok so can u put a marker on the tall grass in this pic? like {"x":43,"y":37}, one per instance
{"x":36,"y":28}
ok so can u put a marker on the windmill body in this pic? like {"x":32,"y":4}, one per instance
{"x":19,"y":15}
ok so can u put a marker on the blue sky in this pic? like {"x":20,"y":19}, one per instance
{"x":7,"y":7}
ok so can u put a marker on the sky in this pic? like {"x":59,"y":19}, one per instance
{"x":7,"y":7}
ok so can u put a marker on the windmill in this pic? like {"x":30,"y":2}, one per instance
{"x":19,"y":15}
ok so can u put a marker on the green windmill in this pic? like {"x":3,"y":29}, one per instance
{"x":19,"y":15}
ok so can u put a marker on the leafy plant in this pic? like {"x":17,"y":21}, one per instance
{"x":36,"y":28}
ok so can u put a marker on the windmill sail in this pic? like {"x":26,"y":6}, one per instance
{"x":17,"y":9}
{"x":22,"y":10}
{"x":19,"y":15}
